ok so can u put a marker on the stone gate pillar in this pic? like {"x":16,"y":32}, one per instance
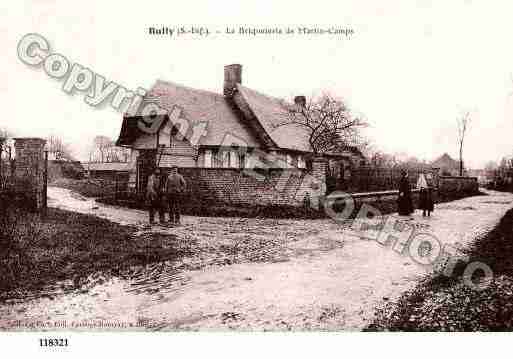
{"x":30,"y":167}
{"x":319,"y":168}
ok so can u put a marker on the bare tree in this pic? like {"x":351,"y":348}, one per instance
{"x":463,"y":123}
{"x":123,"y":154}
{"x":58,"y":149}
{"x":383,"y":160}
{"x":401,"y":160}
{"x":4,"y":134}
{"x":330,"y":125}
{"x":105,"y":150}
{"x":117,"y":154}
{"x":6,"y":143}
{"x":102,"y":145}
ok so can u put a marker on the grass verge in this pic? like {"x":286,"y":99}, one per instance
{"x":39,"y":251}
{"x":447,"y":304}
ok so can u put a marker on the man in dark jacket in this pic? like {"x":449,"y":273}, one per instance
{"x":175,"y":187}
{"x":154,"y":189}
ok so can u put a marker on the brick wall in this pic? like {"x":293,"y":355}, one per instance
{"x":258,"y":187}
{"x":30,"y":168}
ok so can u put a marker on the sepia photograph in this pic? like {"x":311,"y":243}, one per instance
{"x":235,"y":169}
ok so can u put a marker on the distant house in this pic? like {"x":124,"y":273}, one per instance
{"x":447,"y":165}
{"x":107,"y":171}
{"x":243,"y":129}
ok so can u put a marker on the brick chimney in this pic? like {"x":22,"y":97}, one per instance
{"x":300,"y":101}
{"x":232,"y":77}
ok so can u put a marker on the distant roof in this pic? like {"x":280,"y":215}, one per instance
{"x":445,"y":161}
{"x":110,"y":166}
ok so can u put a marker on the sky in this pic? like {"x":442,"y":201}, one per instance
{"x":411,"y":68}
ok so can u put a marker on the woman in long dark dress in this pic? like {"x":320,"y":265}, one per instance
{"x":404,"y":201}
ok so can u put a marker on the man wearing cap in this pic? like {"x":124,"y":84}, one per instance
{"x":175,"y":187}
{"x":154,"y":190}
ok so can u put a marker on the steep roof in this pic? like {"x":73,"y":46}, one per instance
{"x":273,"y":115}
{"x":268,"y":128}
{"x":196,"y":106}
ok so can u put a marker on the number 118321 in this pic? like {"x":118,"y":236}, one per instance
{"x":53,"y":342}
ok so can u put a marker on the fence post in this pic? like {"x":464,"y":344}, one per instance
{"x":45,"y":185}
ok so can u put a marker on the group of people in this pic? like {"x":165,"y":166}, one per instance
{"x":163,"y":194}
{"x":405,"y":203}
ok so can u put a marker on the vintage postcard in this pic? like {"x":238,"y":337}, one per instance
{"x":199,"y":166}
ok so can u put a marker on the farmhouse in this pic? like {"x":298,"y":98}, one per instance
{"x":243,"y":129}
{"x":447,"y":165}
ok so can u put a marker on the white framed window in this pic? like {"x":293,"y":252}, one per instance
{"x":249,"y":160}
{"x":234,"y":159}
{"x":301,"y":163}
{"x":207,"y":158}
{"x":289,"y":160}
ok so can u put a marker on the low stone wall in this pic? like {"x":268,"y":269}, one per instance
{"x":451,"y":188}
{"x":450,"y":184}
{"x":384,"y":201}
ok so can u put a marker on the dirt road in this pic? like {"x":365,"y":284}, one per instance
{"x":301,"y":274}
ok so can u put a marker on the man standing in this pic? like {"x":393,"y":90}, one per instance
{"x":154,"y":190}
{"x":175,"y":186}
